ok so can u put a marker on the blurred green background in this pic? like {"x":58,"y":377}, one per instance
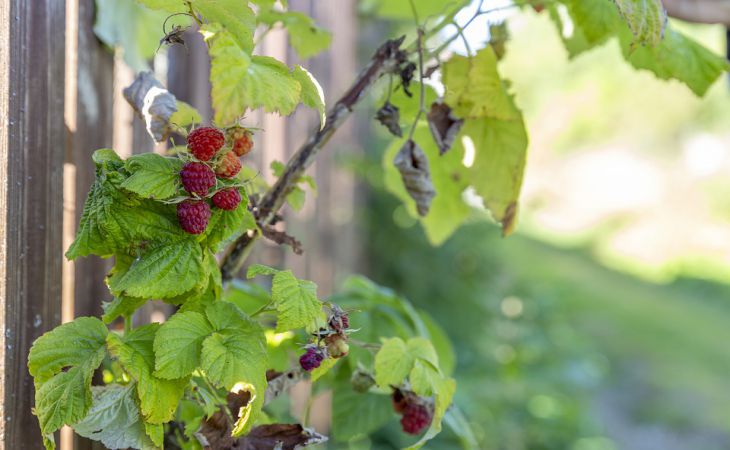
{"x":603,"y":323}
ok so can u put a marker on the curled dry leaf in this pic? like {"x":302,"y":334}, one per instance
{"x":215,"y":431}
{"x":279,"y":436}
{"x":389,"y":116}
{"x":412,"y":164}
{"x":153,"y":103}
{"x":443,"y":125}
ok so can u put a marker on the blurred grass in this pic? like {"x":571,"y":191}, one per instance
{"x":680,"y":334}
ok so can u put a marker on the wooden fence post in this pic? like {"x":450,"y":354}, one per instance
{"x":31,"y":199}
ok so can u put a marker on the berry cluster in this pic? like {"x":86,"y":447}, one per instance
{"x":334,"y":339}
{"x":415,"y":413}
{"x":214,"y":155}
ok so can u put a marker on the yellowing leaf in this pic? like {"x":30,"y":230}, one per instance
{"x":647,"y":19}
{"x":500,"y":152}
{"x":474,"y":88}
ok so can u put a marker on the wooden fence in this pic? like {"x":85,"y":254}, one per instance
{"x":60,"y":96}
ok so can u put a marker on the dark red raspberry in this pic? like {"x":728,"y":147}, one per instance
{"x":227,"y":199}
{"x":339,"y":321}
{"x":197,"y":178}
{"x":400,"y":401}
{"x":204,"y":142}
{"x":242,"y":140}
{"x":193,"y":215}
{"x":415,"y":418}
{"x":311,"y":360}
{"x":228,"y":166}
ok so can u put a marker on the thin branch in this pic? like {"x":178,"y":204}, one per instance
{"x":387,"y":59}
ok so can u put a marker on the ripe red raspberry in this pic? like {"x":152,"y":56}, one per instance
{"x":242,"y":141}
{"x":311,"y":360}
{"x":204,"y":142}
{"x":197,"y":178}
{"x":227,"y":199}
{"x":193,"y":216}
{"x":415,"y":418}
{"x":228,"y":166}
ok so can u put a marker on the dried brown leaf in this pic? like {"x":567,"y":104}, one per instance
{"x":412,"y":164}
{"x":389,"y":116}
{"x":153,"y":103}
{"x":444,"y":126}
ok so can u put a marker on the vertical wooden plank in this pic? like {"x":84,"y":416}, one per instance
{"x":31,"y":200}
{"x":93,"y":130}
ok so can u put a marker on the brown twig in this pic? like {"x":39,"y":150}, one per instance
{"x":386,"y":60}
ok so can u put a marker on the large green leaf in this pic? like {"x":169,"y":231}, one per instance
{"x":305,"y":36}
{"x":312,"y":93}
{"x":236,"y":17}
{"x":153,"y":176}
{"x":114,"y":419}
{"x":500,"y":154}
{"x":647,"y":19}
{"x":357,"y":414}
{"x":296,"y":302}
{"x":178,"y":343}
{"x":62,"y":363}
{"x":158,"y":397}
{"x":115,"y":220}
{"x":235,"y":355}
{"x":166,"y":270}
{"x":397,"y":359}
{"x":679,"y":57}
{"x":474,"y":88}
{"x":131,"y":26}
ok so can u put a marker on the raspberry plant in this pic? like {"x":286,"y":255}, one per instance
{"x":203,"y":378}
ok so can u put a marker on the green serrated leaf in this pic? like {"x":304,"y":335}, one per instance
{"x":121,"y":306}
{"x":296,"y":302}
{"x":305,"y":36}
{"x":153,"y":176}
{"x":500,"y":154}
{"x":158,"y":398}
{"x":156,"y":433}
{"x":236,"y":17}
{"x":646,"y":19}
{"x":475,"y":89}
{"x":62,"y":363}
{"x":679,"y":57}
{"x":356,"y":414}
{"x":185,"y":115}
{"x":131,"y":26}
{"x":234,"y":356}
{"x":393,"y":362}
{"x":172,"y":6}
{"x":117,"y":221}
{"x":114,"y":419}
{"x":178,"y":344}
{"x":260,"y":269}
{"x":166,"y":270}
{"x":312,"y":93}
